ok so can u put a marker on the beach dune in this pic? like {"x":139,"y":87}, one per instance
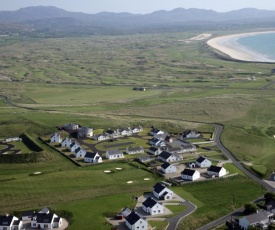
{"x":229,"y":46}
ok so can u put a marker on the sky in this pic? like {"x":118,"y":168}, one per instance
{"x":138,"y":6}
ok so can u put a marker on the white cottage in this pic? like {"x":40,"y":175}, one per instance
{"x":154,"y":151}
{"x":156,"y":131}
{"x":8,"y":222}
{"x":46,"y":221}
{"x":161,"y":192}
{"x":190,"y":134}
{"x":135,"y":222}
{"x":169,"y":157}
{"x":66,"y":142}
{"x":216,"y":171}
{"x":73,"y":146}
{"x":56,"y":138}
{"x":134,"y":150}
{"x":101,"y":137}
{"x":137,"y":129}
{"x":152,"y":207}
{"x":114,"y":154}
{"x":260,"y":219}
{"x":157,"y":142}
{"x":202,"y":162}
{"x":80,"y":152}
{"x":167,"y":168}
{"x":92,"y":158}
{"x":190,"y":174}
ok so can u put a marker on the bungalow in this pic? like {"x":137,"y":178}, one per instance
{"x":157,"y":142}
{"x":156,"y":131}
{"x":152,"y":207}
{"x":27,"y":215}
{"x":260,"y":219}
{"x":190,"y":134}
{"x":71,"y":127}
{"x":169,"y":157}
{"x":92,"y":158}
{"x":167,"y":168}
{"x":190,"y":174}
{"x":202,"y":162}
{"x":73,"y":146}
{"x":79,"y":152}
{"x":187,"y":147}
{"x":154,"y":151}
{"x":135,"y":222}
{"x":101,"y":137}
{"x":216,"y":171}
{"x":174,"y":150}
{"x":125,"y":131}
{"x":161,"y":192}
{"x":161,"y":137}
{"x":144,"y":158}
{"x":56,"y":138}
{"x":46,"y":221}
{"x":137,"y":129}
{"x":114,"y":154}
{"x":112,"y":133}
{"x":66,"y":142}
{"x":134,"y":150}
{"x":10,"y":223}
{"x":85,"y":132}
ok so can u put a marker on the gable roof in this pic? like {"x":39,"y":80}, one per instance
{"x":153,"y":149}
{"x":149,"y":202}
{"x":73,"y":144}
{"x":135,"y":149}
{"x":201,"y":159}
{"x":132,"y":218}
{"x":158,"y":187}
{"x":5,"y":220}
{"x":55,"y":134}
{"x":165,"y":155}
{"x":90,"y":155}
{"x":110,"y":131}
{"x":79,"y":149}
{"x":114,"y":152}
{"x":214,"y":168}
{"x":165,"y":165}
{"x":144,"y":157}
{"x":44,"y":217}
{"x":28,"y":213}
{"x":257,"y":217}
{"x":188,"y":172}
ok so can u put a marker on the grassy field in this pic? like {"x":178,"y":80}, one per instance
{"x":185,"y":84}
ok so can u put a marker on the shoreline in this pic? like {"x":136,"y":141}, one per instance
{"x":229,"y":46}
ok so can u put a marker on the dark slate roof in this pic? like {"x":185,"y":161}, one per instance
{"x":165,"y":155}
{"x":56,"y":220}
{"x":16,"y":222}
{"x":214,"y":168}
{"x":5,"y":220}
{"x":155,"y":130}
{"x":158,"y":187}
{"x":149,"y":202}
{"x":73,"y":143}
{"x":55,"y":134}
{"x":78,"y":149}
{"x":188,"y":172}
{"x":44,"y":217}
{"x":153,"y":149}
{"x":154,"y":140}
{"x":201,"y":159}
{"x":110,"y":131}
{"x":114,"y":152}
{"x":132,"y":218}
{"x":165,"y":165}
{"x":90,"y":155}
{"x":28,"y":213}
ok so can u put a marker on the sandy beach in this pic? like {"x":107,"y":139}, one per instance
{"x":229,"y":46}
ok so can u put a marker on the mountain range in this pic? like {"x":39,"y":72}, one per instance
{"x":52,"y":21}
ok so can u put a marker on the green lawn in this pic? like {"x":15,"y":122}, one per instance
{"x":176,"y":209}
{"x":158,"y":225}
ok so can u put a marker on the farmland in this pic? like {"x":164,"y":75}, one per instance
{"x":90,"y":80}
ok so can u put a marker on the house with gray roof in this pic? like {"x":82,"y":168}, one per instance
{"x":169,"y":157}
{"x":114,"y":154}
{"x":154,"y":150}
{"x":85,"y":132}
{"x":134,"y":150}
{"x":144,"y":158}
{"x":260,"y":219}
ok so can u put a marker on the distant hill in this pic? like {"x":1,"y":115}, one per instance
{"x":52,"y":21}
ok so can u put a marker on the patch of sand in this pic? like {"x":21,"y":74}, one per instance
{"x":200,"y":37}
{"x":146,"y":178}
{"x":118,"y":168}
{"x":107,"y":171}
{"x":130,"y":182}
{"x":36,"y":173}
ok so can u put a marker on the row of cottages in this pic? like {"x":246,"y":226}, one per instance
{"x":134,"y":221}
{"x":169,"y":157}
{"x":155,"y":150}
{"x":167,"y":168}
{"x":260,"y":219}
{"x":191,"y":134}
{"x":43,"y":219}
{"x":134,"y":150}
{"x":161,"y":192}
{"x":152,"y":207}
{"x":8,"y":222}
{"x":118,"y":133}
{"x":114,"y":154}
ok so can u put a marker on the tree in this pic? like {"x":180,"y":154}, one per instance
{"x":269,"y":196}
{"x":250,"y":208}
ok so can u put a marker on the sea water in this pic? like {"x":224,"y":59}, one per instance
{"x":263,"y":44}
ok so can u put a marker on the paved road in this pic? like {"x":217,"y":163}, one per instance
{"x":174,"y":221}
